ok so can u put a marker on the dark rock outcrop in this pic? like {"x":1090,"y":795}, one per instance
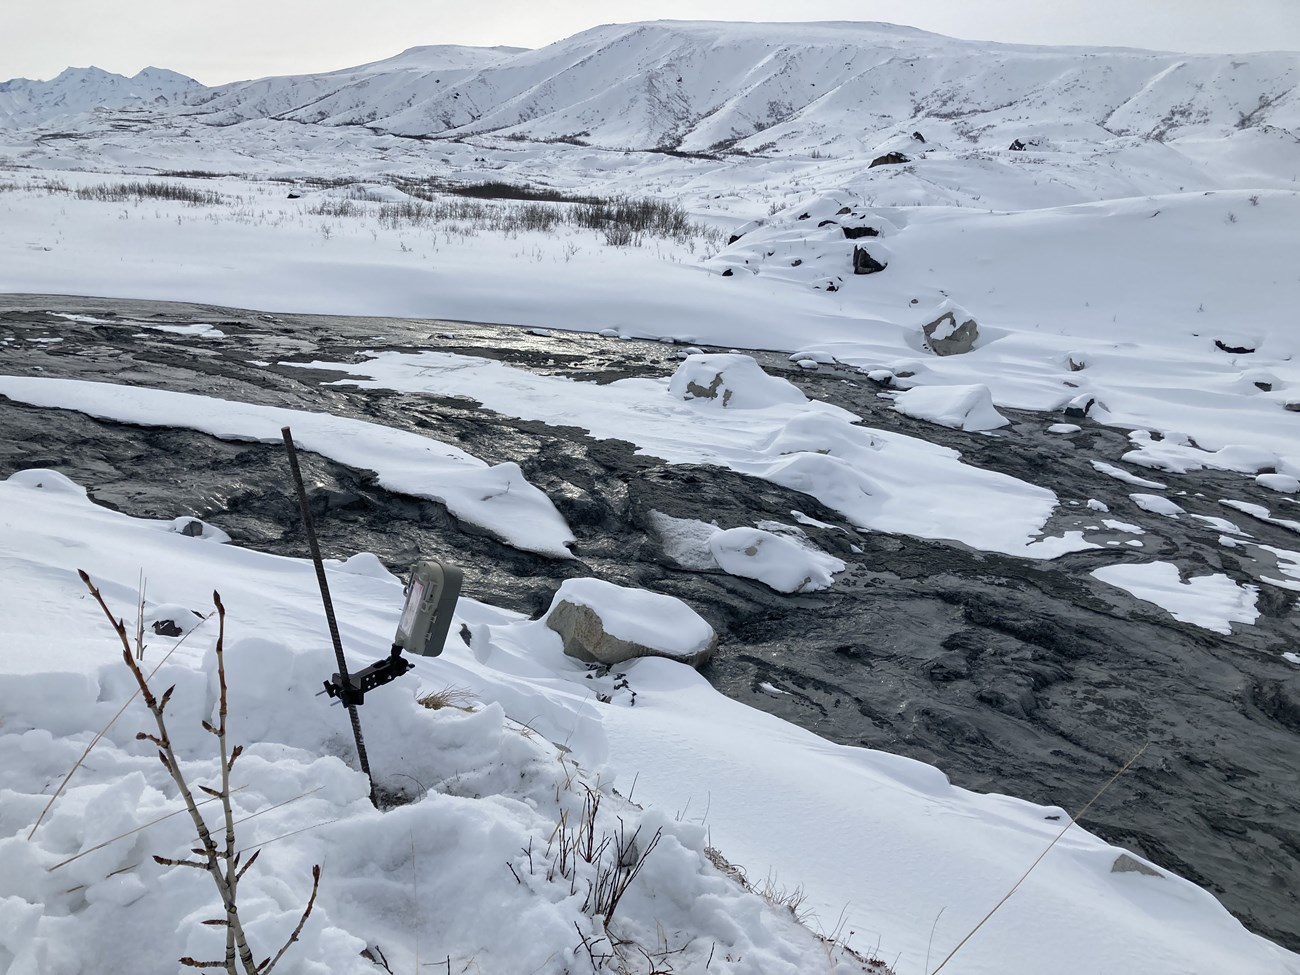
{"x":1232,"y":349}
{"x":864,"y":263}
{"x":945,"y":336}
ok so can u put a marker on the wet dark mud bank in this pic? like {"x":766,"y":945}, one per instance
{"x":1016,"y":676}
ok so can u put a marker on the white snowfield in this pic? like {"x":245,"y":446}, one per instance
{"x":884,"y":844}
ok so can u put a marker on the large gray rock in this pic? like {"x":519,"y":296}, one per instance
{"x":945,"y":336}
{"x":607,"y":624}
{"x":1124,"y":863}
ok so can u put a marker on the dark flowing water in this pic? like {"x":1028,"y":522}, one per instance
{"x":1028,"y":678}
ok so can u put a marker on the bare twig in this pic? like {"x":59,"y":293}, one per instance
{"x":139,"y":621}
{"x":415,"y":896}
{"x":285,"y":836}
{"x":302,"y":921}
{"x":222,"y":863}
{"x":112,"y":721}
{"x":130,"y":832}
{"x":278,"y":805}
{"x":930,"y":944}
{"x":1016,"y":886}
{"x":227,"y":760}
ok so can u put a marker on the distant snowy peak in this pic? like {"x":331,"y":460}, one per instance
{"x":445,"y":57}
{"x":701,"y":86}
{"x":351,"y":96}
{"x":78,"y":90}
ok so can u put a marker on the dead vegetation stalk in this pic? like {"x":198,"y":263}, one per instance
{"x":220,"y":862}
{"x":1039,"y":859}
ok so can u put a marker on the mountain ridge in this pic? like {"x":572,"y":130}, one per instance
{"x":837,"y":87}
{"x":78,"y":91}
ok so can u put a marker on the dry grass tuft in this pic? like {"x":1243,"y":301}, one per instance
{"x":460,"y":698}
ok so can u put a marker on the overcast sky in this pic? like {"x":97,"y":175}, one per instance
{"x":228,"y":40}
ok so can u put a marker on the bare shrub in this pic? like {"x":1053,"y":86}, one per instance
{"x":137,"y":191}
{"x":221,"y":861}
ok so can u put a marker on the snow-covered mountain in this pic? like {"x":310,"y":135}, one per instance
{"x":362,"y":95}
{"x":75,"y":91}
{"x":702,"y":86}
{"x":832,"y":88}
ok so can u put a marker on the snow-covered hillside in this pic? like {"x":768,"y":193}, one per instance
{"x":79,"y":90}
{"x":834,"y":88}
{"x":788,"y":87}
{"x":352,"y":96}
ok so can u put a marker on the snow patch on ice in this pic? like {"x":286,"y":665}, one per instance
{"x":1128,"y":478}
{"x":877,"y":479}
{"x":1212,"y":602}
{"x":1157,"y":505}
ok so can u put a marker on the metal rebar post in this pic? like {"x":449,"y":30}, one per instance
{"x":310,"y":529}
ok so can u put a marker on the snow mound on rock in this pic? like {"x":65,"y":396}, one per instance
{"x":731,"y":381}
{"x":783,"y":562}
{"x":779,"y":556}
{"x":963,"y":407}
{"x":609,"y":624}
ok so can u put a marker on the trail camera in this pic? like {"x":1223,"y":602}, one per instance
{"x":430,"y":601}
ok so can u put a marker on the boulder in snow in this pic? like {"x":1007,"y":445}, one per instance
{"x":1236,"y":346}
{"x":1125,"y":863}
{"x":889,"y":159}
{"x":864,"y":263}
{"x":730,"y":381}
{"x":600,"y":622}
{"x":946,"y":336}
{"x":785,"y":562}
{"x":1082,"y":405}
{"x":816,"y":355}
{"x":743,"y":229}
{"x":854,"y":233}
{"x":962,"y":407}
